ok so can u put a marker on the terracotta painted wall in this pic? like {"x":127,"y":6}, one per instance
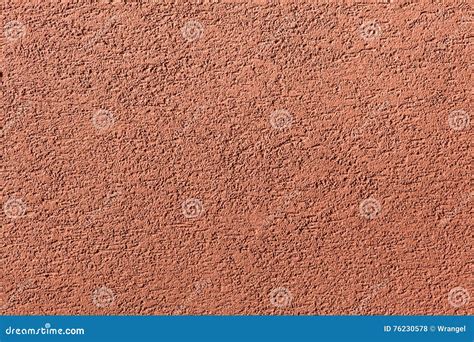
{"x":236,"y":158}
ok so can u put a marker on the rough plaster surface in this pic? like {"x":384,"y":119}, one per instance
{"x":236,"y":158}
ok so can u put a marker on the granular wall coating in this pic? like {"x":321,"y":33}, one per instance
{"x":236,"y":158}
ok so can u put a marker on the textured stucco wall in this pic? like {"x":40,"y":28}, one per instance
{"x":236,"y":158}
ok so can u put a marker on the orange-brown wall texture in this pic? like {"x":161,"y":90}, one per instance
{"x":224,"y":157}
